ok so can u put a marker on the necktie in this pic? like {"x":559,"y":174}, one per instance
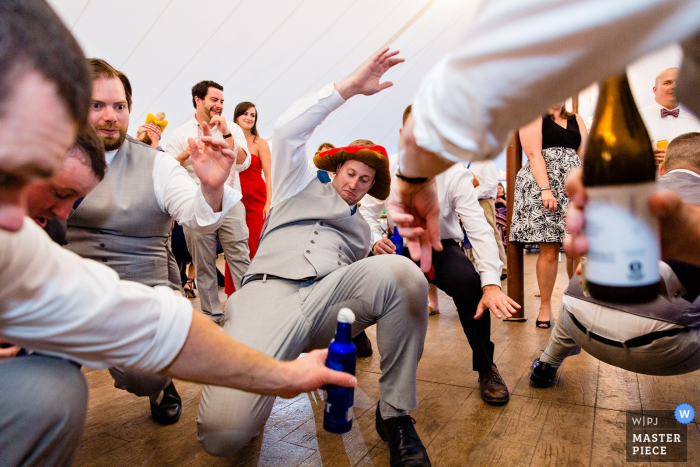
{"x":665,"y":113}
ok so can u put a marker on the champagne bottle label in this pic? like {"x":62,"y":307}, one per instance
{"x":623,"y":236}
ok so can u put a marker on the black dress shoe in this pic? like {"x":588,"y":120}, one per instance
{"x":405,"y":447}
{"x":364,"y":347}
{"x":542,"y":374}
{"x":170,"y":407}
{"x":493,"y":388}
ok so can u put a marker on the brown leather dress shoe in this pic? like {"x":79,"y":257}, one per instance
{"x":493,"y":388}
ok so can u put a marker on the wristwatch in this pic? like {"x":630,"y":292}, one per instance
{"x":227,"y":136}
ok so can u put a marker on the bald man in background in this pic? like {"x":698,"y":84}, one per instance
{"x":665,"y":119}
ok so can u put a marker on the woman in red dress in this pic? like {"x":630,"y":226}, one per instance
{"x":257,"y":191}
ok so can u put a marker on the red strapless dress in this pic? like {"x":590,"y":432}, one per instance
{"x":254,"y":197}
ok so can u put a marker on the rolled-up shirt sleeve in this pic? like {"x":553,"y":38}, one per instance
{"x":519,"y":57}
{"x":180,"y":196}
{"x":53,"y":301}
{"x":464,"y":202}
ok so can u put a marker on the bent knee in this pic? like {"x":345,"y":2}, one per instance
{"x":403,"y":272}
{"x":59,"y":395}
{"x":224,"y":442}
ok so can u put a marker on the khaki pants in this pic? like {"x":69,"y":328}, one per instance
{"x":666,"y":356}
{"x":283,"y":318}
{"x":233,"y":235}
{"x":489,"y":208}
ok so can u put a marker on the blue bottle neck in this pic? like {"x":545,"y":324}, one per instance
{"x":343,"y":333}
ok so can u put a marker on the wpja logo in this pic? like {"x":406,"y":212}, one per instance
{"x":659,"y":435}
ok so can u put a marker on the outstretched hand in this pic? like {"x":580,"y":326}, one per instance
{"x":310,"y":372}
{"x":415,"y":211}
{"x":500,"y":304}
{"x":212,"y":162}
{"x":365,"y":80}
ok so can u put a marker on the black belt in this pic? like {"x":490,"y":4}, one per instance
{"x":261,"y":277}
{"x":636,"y":342}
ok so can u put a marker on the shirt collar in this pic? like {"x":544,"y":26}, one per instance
{"x":659,"y":106}
{"x":684,"y":171}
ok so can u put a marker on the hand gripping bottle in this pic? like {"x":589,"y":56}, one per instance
{"x":342,"y":356}
{"x":397,"y":240}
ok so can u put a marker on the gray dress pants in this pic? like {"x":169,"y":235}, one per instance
{"x":233,"y":235}
{"x":284,"y":318}
{"x":674,"y":355}
{"x":43,"y":402}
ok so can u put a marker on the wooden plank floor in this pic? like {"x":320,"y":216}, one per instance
{"x":581,"y":421}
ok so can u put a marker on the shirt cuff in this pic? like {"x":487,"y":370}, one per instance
{"x":206,"y":217}
{"x":490,"y":278}
{"x":330,"y":96}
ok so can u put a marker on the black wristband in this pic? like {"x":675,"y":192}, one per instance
{"x":227,"y":136}
{"x":414,"y":181}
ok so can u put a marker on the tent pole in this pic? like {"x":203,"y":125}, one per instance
{"x":516,"y":289}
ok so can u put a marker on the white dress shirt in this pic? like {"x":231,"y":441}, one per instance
{"x":177,"y":142}
{"x":291,"y":169}
{"x":520,"y":56}
{"x":458,"y":201}
{"x":181,"y":198}
{"x":56,"y":302}
{"x":487,"y":174}
{"x":668,"y":127}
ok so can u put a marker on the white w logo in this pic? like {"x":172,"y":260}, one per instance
{"x":684,"y":413}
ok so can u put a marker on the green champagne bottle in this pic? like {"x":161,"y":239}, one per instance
{"x":619,"y":174}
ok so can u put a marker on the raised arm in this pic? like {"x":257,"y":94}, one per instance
{"x":292,"y":171}
{"x":198,"y":207}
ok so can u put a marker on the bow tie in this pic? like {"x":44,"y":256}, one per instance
{"x":665,"y":113}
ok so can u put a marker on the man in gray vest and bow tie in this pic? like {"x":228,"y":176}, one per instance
{"x":657,"y":338}
{"x":310,"y":264}
{"x":125,"y":221}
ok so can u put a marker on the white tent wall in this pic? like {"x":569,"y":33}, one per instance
{"x":272,"y":52}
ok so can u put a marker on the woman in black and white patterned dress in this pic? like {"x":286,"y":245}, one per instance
{"x":553,"y":145}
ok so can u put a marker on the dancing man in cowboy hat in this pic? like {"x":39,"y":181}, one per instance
{"x":308,"y":267}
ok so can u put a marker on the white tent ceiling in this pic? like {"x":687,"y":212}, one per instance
{"x":272,"y":52}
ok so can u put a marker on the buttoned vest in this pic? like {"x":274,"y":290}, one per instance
{"x":684,"y":310}
{"x":310,"y":235}
{"x":120,"y":224}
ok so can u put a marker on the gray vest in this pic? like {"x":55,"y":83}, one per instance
{"x":311,"y":235}
{"x":685,"y":310}
{"x":120,"y":223}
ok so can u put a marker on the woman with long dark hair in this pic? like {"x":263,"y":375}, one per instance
{"x":256,"y":180}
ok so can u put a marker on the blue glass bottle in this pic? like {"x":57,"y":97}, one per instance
{"x":342,"y":356}
{"x":397,"y":240}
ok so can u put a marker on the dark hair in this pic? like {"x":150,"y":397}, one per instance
{"x":90,"y":149}
{"x":101,"y":69}
{"x":565,"y":114}
{"x":202,"y":88}
{"x":240,"y":110}
{"x":32,"y":37}
{"x":683,"y":151}
{"x":406,"y":113}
